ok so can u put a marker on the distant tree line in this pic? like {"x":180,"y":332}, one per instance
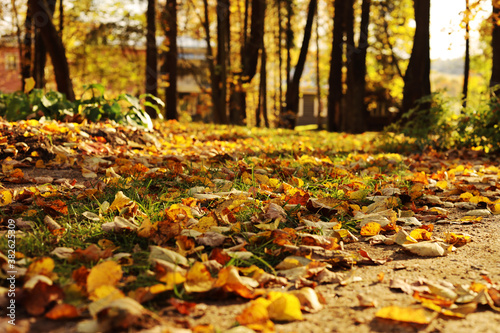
{"x":374,"y":55}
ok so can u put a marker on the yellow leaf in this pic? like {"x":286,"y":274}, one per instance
{"x":408,"y":314}
{"x":29,"y":84}
{"x":41,"y":266}
{"x":370,"y":229}
{"x":5,"y":197}
{"x":442,"y":184}
{"x":420,"y":234}
{"x":105,"y":291}
{"x":121,"y":200}
{"x":205,"y":223}
{"x":285,"y":308}
{"x":198,"y":279}
{"x":466,"y":196}
{"x":107,"y":273}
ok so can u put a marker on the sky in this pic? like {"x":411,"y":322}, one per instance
{"x":447,"y":37}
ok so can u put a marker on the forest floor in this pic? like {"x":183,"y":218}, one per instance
{"x":373,"y":242}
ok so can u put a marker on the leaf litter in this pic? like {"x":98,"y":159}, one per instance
{"x":218,"y":213}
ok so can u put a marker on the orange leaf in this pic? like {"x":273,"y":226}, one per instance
{"x":63,"y":311}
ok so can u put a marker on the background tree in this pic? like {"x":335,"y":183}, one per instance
{"x":170,"y":64}
{"x":495,"y":45}
{"x":417,"y":76}
{"x":292,"y":92}
{"x":466,"y":21}
{"x":43,"y":21}
{"x":151,"y":55}
{"x":355,"y":115}
{"x":336,"y":64}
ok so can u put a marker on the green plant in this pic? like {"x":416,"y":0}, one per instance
{"x":431,"y":123}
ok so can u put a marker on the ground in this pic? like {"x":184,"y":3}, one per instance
{"x":353,"y":304}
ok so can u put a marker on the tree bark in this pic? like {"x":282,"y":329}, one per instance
{"x":171,"y":60}
{"x":220,"y":108}
{"x":43,"y":21}
{"x":467,"y":56}
{"x":41,"y":52}
{"x":151,"y":56}
{"x":495,"y":44}
{"x":417,"y":76}
{"x":292,"y":93}
{"x":249,"y":58}
{"x":355,"y":110}
{"x":336,"y":64}
{"x":318,"y":75}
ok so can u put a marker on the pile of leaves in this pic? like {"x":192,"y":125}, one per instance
{"x":189,"y":212}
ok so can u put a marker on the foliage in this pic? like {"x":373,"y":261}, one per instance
{"x":430,"y":124}
{"x":480,"y":127}
{"x":125,"y":109}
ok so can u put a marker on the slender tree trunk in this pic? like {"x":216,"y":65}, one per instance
{"x":220,"y":109}
{"x":318,"y":78}
{"x":467,"y":56}
{"x":249,"y":59}
{"x":355,"y":110}
{"x":495,"y":44}
{"x":336,"y":64}
{"x":26,"y":60}
{"x":417,"y":76}
{"x":263,"y":84}
{"x":55,"y":47}
{"x":262,"y":104}
{"x":289,"y":39}
{"x":171,"y":60}
{"x":292,"y":93}
{"x":151,"y":56}
{"x":211,"y":67}
{"x":280,"y":59}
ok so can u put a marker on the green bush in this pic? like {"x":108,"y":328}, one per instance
{"x":125,"y":109}
{"x":430,"y":124}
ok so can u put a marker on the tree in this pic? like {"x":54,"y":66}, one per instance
{"x":43,"y":20}
{"x":467,"y":54}
{"x":220,"y":77}
{"x":170,"y":63}
{"x":495,"y":45}
{"x":336,"y":64}
{"x":249,"y":58}
{"x":151,"y":55}
{"x":417,"y":76}
{"x":41,"y":52}
{"x":355,"y":115}
{"x":292,"y":92}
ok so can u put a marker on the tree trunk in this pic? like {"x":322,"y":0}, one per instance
{"x":495,"y":44}
{"x":355,"y":114}
{"x":318,"y":77}
{"x":249,"y":59}
{"x":61,"y":17}
{"x":220,"y":108}
{"x":171,"y":60}
{"x":467,"y":56}
{"x":292,"y":93}
{"x":18,"y":35}
{"x":54,"y":45}
{"x":41,"y":52}
{"x":211,"y":67}
{"x":26,"y":60}
{"x":336,"y":64}
{"x":262,"y":104}
{"x":417,"y":81}
{"x":151,"y":56}
{"x":280,"y":59}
